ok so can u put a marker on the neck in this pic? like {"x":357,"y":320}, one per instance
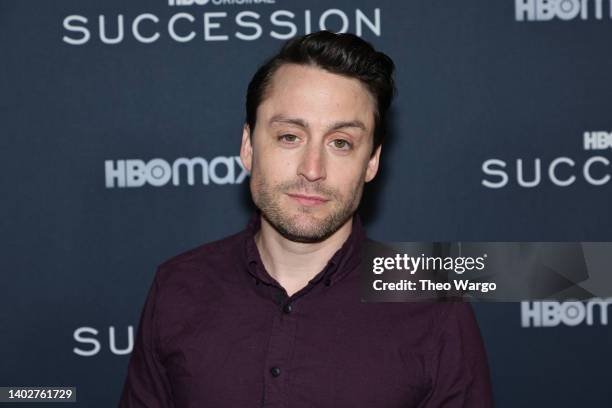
{"x":294,"y":264}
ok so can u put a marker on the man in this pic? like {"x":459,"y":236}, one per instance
{"x":272,"y":316}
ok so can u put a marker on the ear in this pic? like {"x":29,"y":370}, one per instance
{"x":246,"y":149}
{"x":373,"y":165}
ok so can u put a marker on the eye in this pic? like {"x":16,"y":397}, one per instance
{"x":341,"y":144}
{"x":288,"y":138}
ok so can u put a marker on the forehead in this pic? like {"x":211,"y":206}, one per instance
{"x":317,"y":96}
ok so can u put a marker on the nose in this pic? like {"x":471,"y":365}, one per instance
{"x":312,"y":163}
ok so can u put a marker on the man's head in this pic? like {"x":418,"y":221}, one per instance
{"x":315,"y":123}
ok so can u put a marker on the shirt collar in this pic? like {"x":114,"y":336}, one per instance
{"x":343,"y":261}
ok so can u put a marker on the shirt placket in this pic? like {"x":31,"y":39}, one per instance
{"x":277,"y":367}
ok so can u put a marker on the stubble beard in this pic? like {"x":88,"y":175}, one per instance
{"x":267,"y":198}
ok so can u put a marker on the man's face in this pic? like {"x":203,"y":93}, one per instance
{"x":310,"y":153}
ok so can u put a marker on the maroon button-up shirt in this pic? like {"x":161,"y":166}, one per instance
{"x":218,"y":331}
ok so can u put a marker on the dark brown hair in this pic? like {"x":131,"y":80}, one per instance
{"x":344,"y":54}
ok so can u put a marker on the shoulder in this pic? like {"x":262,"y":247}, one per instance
{"x":427,"y":325}
{"x":451,"y":321}
{"x":447,"y":314}
{"x":204,"y":258}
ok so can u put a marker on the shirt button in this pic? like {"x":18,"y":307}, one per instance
{"x":287,"y":308}
{"x":275,"y":371}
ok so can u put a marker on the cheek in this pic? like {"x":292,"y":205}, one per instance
{"x":348,"y":175}
{"x":275,"y":167}
{"x":281,"y":158}
{"x":270,"y":171}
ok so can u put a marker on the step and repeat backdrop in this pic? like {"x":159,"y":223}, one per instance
{"x":120,"y":128}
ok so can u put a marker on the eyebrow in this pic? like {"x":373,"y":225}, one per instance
{"x":304,"y":124}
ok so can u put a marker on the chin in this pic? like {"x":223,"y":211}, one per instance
{"x":302,"y":220}
{"x":308,"y":218}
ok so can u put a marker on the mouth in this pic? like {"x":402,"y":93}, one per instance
{"x":308,"y":200}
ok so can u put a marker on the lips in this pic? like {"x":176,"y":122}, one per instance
{"x":308,"y":200}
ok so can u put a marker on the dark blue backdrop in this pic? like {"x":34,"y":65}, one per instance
{"x":99,"y":95}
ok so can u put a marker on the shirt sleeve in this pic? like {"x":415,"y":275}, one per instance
{"x":458,"y":365}
{"x":147,"y":384}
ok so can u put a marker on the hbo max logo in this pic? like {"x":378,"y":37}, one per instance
{"x":597,"y":140}
{"x":571,"y":313}
{"x":546,"y":10}
{"x":158,"y":172}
